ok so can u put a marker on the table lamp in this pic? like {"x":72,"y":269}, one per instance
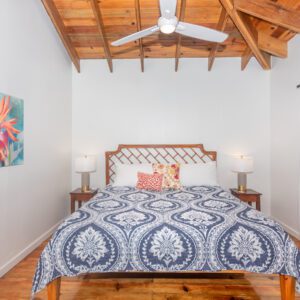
{"x":242,"y":165}
{"x":85,"y":165}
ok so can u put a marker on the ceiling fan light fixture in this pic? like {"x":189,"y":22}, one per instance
{"x":167,"y":26}
{"x":167,"y":29}
{"x":168,"y":23}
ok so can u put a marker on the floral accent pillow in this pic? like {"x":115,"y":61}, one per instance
{"x":150,"y":182}
{"x":170,"y":173}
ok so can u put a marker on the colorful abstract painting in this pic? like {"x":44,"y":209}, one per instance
{"x":11,"y":131}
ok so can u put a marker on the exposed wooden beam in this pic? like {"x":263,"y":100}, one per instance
{"x":61,"y":29}
{"x":246,"y":58}
{"x":139,"y":27}
{"x":287,"y":35}
{"x":221,"y":26}
{"x":270,"y":11}
{"x":248,"y":32}
{"x":100,"y":26}
{"x":272,"y":45}
{"x":178,"y":45}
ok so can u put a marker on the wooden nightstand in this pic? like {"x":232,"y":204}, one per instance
{"x":79,"y":196}
{"x":249,"y":196}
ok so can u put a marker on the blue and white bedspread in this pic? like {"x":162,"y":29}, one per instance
{"x":201,"y":228}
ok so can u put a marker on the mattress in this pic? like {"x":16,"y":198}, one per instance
{"x":198,"y":228}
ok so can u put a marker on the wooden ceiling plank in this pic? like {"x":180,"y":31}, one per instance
{"x":270,"y":11}
{"x":100,"y":26}
{"x":292,"y":4}
{"x":246,"y":58}
{"x":248,"y":32}
{"x":120,"y":19}
{"x":61,"y":29}
{"x":221,"y":26}
{"x":139,"y":27}
{"x":272,"y":45}
{"x":178,"y":45}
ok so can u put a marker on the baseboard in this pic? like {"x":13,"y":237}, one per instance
{"x":21,"y":255}
{"x":288,"y":229}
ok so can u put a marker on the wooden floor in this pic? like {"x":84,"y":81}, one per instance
{"x":17,"y":284}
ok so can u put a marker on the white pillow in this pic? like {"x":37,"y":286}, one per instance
{"x":127,"y":174}
{"x":198,"y":174}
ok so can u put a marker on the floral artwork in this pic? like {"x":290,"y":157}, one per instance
{"x":11,"y":131}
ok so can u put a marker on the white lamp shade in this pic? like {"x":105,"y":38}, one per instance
{"x":85,"y":164}
{"x":243,"y":164}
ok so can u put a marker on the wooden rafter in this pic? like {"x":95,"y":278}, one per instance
{"x":248,"y":32}
{"x":139,"y":27}
{"x":79,"y":31}
{"x":270,"y":11}
{"x":100,"y":26}
{"x":221,"y":26}
{"x":272,"y":45}
{"x":178,"y":45}
{"x":246,"y":58}
{"x":61,"y":29}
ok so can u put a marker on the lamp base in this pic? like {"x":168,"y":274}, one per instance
{"x":85,"y":182}
{"x":242,"y":182}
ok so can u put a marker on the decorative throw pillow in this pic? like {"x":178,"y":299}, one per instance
{"x":150,"y":182}
{"x":171,"y":175}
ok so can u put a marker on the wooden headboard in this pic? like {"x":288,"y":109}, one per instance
{"x":139,"y":154}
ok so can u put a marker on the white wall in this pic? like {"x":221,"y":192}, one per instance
{"x":227,"y":110}
{"x":34,"y":67}
{"x":285,"y":139}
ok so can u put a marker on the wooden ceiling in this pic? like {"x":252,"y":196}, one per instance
{"x":258,"y":28}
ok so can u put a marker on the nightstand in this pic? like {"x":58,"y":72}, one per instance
{"x":79,"y":196}
{"x":249,"y":196}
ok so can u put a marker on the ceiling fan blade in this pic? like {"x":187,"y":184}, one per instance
{"x":135,"y":36}
{"x":168,"y":8}
{"x":201,"y":32}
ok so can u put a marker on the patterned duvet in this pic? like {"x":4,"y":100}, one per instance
{"x":200,"y":228}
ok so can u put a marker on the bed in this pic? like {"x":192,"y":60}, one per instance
{"x":196,"y":229}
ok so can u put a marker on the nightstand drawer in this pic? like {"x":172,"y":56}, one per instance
{"x":81,"y":197}
{"x":248,"y":198}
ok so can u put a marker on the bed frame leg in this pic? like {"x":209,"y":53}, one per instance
{"x":287,"y":287}
{"x":53,"y":289}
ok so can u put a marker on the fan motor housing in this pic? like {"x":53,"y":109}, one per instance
{"x":167,"y":25}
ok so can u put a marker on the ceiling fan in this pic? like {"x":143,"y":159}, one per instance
{"x":168,"y":23}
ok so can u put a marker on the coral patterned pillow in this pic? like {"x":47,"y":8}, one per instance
{"x":171,"y":175}
{"x":150,"y":182}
